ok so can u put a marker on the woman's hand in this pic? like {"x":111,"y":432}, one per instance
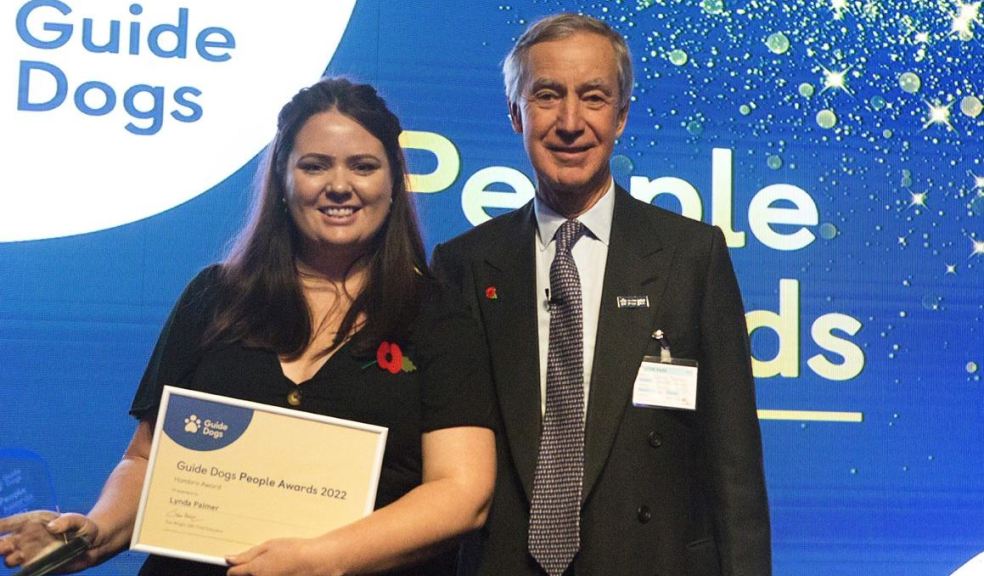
{"x":25,"y":536}
{"x":107,"y":527}
{"x":29,"y":535}
{"x":280,"y":557}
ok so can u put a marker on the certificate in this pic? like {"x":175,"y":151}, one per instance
{"x":225,"y":475}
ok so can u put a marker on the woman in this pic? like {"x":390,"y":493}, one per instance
{"x":324,"y":283}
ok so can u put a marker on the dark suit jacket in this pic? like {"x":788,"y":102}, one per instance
{"x":666,"y":492}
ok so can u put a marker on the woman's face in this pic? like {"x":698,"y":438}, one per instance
{"x":339,"y":186}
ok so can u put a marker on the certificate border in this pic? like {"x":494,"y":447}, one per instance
{"x":135,"y":545}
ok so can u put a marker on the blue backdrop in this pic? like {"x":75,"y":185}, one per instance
{"x":838,"y":143}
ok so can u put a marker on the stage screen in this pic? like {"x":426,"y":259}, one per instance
{"x":837,"y":143}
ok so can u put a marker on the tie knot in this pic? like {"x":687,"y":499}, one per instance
{"x":568,"y":234}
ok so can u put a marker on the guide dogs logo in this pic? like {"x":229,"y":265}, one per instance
{"x":204,"y":425}
{"x":208,"y":428}
{"x":192,"y":423}
{"x":121,"y":110}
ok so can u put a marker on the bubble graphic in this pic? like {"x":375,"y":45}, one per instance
{"x":971,"y":106}
{"x":677,"y":57}
{"x":695,"y":128}
{"x":910,"y":82}
{"x":777,"y":43}
{"x":971,"y":367}
{"x":886,"y":133}
{"x":745,"y":109}
{"x":826,"y":118}
{"x":806,"y":89}
{"x":622,"y":165}
{"x":932,"y":301}
{"x":774,"y":161}
{"x":828,"y":231}
{"x":712,"y":6}
{"x":976,"y":206}
{"x":877,"y":102}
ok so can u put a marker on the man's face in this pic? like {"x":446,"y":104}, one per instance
{"x":568,"y":113}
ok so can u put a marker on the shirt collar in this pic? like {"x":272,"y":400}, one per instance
{"x":597,"y":220}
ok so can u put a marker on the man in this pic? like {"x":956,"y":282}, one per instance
{"x":576,"y":292}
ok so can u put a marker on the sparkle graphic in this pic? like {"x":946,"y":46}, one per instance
{"x":938,"y":114}
{"x":835,"y":80}
{"x":914,"y":108}
{"x":838,"y":7}
{"x":978,"y":181}
{"x":964,"y":19}
{"x":977,"y":247}
{"x":951,"y":268}
{"x":918,"y":199}
{"x":871,"y":9}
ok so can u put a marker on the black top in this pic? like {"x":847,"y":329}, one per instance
{"x":449,"y":387}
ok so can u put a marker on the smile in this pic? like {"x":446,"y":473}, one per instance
{"x":570,"y":155}
{"x":569,"y":150}
{"x":338,"y":211}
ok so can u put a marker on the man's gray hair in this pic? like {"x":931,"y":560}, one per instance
{"x":557,"y":27}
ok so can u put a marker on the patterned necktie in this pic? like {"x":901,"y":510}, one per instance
{"x":554,"y":534}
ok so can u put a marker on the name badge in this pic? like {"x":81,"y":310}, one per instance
{"x":666,"y":383}
{"x":632,"y":301}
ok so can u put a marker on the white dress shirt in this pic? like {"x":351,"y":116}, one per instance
{"x":590,"y":254}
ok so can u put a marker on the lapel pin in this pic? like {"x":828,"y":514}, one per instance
{"x":490,"y":293}
{"x":632,"y":301}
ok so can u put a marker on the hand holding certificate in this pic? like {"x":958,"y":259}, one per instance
{"x":225,"y":475}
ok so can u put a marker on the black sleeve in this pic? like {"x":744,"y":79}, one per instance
{"x":457,"y":382}
{"x":178,"y":347}
{"x":732,"y":439}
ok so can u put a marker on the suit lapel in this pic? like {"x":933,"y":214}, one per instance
{"x":511,"y":326}
{"x":637,"y":266}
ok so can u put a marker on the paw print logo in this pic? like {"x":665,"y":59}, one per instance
{"x":192,"y":424}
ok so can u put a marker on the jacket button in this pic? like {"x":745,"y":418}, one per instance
{"x":294,"y":397}
{"x":644,"y":514}
{"x":654,"y":440}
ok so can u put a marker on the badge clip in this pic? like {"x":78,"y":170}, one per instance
{"x":664,"y":346}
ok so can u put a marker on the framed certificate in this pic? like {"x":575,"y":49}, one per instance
{"x":226,"y":474}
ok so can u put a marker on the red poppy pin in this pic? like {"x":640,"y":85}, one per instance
{"x":490,"y":293}
{"x":391,"y":358}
